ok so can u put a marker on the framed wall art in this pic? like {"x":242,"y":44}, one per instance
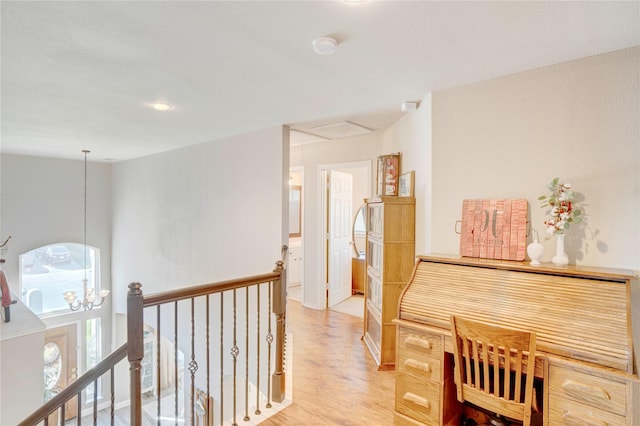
{"x":406,"y":184}
{"x":494,"y":229}
{"x":388,"y":173}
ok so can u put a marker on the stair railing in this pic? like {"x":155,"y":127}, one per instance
{"x":259,"y":323}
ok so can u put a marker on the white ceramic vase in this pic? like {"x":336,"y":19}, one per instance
{"x":561,"y":258}
{"x":535,"y":250}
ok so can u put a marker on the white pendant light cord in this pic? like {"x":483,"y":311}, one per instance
{"x":85,"y":214}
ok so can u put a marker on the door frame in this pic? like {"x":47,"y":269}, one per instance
{"x":322,"y":258}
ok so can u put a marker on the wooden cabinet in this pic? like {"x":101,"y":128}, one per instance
{"x":390,"y":257}
{"x":294,"y":266}
{"x":587,"y":325}
{"x":357,"y":274}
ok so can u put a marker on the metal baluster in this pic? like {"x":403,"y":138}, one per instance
{"x":193,"y":365}
{"x":113,"y":401}
{"x":246,"y":358}
{"x":269,"y":341}
{"x":158,"y":371}
{"x":95,"y":402}
{"x":258,"y":412}
{"x":209,"y":416}
{"x":234,"y":352}
{"x":222,"y":358}
{"x":79,"y":409}
{"x":175,"y":361}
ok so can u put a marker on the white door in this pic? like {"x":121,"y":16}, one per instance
{"x":339,"y":231}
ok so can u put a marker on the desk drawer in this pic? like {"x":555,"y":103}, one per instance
{"x":564,"y":412}
{"x":418,"y":399}
{"x":593,"y":391}
{"x":420,"y":369}
{"x":419,"y":345}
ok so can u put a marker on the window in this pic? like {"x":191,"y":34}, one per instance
{"x":47,"y":272}
{"x":93,"y":351}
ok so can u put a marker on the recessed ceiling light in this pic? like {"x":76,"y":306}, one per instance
{"x":161,"y":106}
{"x":325,"y":45}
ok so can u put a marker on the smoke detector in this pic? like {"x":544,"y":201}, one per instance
{"x":409,"y":106}
{"x":325,"y":45}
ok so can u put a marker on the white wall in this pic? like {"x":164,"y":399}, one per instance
{"x":509,"y":137}
{"x":347,"y":150}
{"x":21,"y":377}
{"x":200,"y":214}
{"x":42,"y":203}
{"x":411,"y":136}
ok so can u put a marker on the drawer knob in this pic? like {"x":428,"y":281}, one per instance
{"x":416,"y":341}
{"x":574,"y":420}
{"x":418,"y":365}
{"x":585,"y":392}
{"x":416,"y":399}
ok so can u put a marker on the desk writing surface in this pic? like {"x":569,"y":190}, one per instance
{"x":580,"y":313}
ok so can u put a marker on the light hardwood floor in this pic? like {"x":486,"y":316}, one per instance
{"x":335,"y":380}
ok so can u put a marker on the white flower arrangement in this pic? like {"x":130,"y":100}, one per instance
{"x":562,"y":211}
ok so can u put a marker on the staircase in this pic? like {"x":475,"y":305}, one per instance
{"x":205,"y":355}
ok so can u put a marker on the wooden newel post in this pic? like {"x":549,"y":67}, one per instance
{"x":135,"y":350}
{"x":279,"y":309}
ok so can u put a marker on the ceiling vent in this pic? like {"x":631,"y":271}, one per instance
{"x":343,"y":129}
{"x":297,"y":137}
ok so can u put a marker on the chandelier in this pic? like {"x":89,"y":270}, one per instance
{"x":89,"y":298}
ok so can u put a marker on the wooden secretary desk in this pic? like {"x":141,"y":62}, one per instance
{"x":587,"y":322}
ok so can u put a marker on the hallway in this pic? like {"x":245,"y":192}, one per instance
{"x":335,"y":380}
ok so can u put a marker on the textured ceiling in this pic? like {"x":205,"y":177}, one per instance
{"x":80,"y":75}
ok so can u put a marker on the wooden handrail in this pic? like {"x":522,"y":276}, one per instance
{"x":76,"y":387}
{"x":204,"y":289}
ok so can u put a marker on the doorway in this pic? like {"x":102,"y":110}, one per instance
{"x":335,"y":266}
{"x":60,"y":366}
{"x":295,"y":261}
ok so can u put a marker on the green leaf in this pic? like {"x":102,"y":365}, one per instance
{"x":542,"y":197}
{"x":577,"y":212}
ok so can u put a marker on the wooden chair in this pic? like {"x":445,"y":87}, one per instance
{"x":490,"y":362}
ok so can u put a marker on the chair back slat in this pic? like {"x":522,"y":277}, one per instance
{"x":494,"y":367}
{"x":518,"y":374}
{"x":484,"y":354}
{"x":496,"y":371}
